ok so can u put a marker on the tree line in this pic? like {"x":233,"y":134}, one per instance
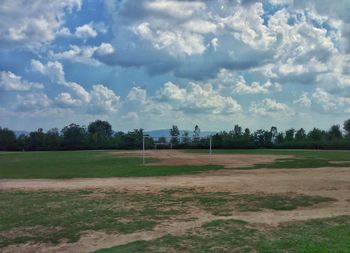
{"x":99,"y":135}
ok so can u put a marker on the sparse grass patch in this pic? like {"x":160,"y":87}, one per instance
{"x":47,"y":216}
{"x":301,"y":158}
{"x":313,"y":236}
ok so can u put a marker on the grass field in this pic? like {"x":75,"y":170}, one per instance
{"x":53,"y":216}
{"x":246,"y":209}
{"x":92,"y":164}
{"x":313,"y":236}
{"x":88,"y":164}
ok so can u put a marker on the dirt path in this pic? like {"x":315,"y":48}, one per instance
{"x":328,"y":182}
{"x":178,"y":157}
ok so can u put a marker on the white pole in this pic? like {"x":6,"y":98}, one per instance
{"x":143,"y":149}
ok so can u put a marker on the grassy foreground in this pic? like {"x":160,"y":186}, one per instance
{"x":313,"y":236}
{"x":94,"y":164}
{"x":49,"y":216}
{"x":86,"y":164}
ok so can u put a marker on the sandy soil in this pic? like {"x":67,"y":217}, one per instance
{"x":328,"y":182}
{"x":178,"y":157}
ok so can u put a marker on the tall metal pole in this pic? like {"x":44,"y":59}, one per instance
{"x":143,"y":150}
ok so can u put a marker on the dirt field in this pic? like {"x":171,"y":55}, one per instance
{"x":328,"y":182}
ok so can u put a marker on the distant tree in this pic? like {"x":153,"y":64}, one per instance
{"x":246,"y":133}
{"x":100,"y":130}
{"x":300,"y":135}
{"x":315,"y":134}
{"x":290,"y":135}
{"x":347,"y":127}
{"x":36,"y":140}
{"x":237,"y":131}
{"x":53,"y":139}
{"x":273,"y":132}
{"x":335,"y":132}
{"x":185,"y":138}
{"x":74,"y":136}
{"x":196,"y":131}
{"x":7,"y":139}
{"x":174,"y":133}
{"x":279,"y":138}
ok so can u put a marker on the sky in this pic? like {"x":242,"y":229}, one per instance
{"x":153,"y":63}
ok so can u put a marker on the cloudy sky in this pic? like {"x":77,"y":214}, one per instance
{"x":153,"y":63}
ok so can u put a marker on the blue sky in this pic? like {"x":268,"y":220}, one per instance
{"x":155,"y":63}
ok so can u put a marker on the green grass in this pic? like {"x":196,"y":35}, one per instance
{"x":86,"y":164}
{"x":46,"y":216}
{"x":312,"y":236}
{"x":92,"y":164}
{"x":300,"y":159}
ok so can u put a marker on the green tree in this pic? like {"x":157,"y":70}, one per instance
{"x":7,"y":139}
{"x":174,"y":133}
{"x":346,"y":127}
{"x":273,"y":132}
{"x":36,"y":140}
{"x":315,"y":135}
{"x":335,"y":133}
{"x":53,"y":139}
{"x":300,"y":135}
{"x":100,"y":131}
{"x":74,"y":136}
{"x":290,"y":135}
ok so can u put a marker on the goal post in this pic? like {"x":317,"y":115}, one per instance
{"x":185,"y":142}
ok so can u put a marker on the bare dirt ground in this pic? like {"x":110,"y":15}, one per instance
{"x":328,"y":182}
{"x":177,"y":157}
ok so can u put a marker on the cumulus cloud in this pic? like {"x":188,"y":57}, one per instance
{"x":84,"y":54}
{"x":30,"y":25}
{"x":33,"y":102}
{"x":270,"y":107}
{"x":197,"y":98}
{"x":303,"y":101}
{"x":103,"y":99}
{"x":255,"y":87}
{"x":329,"y":102}
{"x":85,"y":31}
{"x":11,"y":82}
{"x":138,"y":95}
{"x":54,"y":70}
{"x":132,"y":116}
{"x":99,"y":100}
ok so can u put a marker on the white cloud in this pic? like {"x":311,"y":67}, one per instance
{"x":329,"y":102}
{"x":11,"y":82}
{"x":171,"y":91}
{"x":138,"y":95}
{"x":175,"y":9}
{"x":65,"y":99}
{"x":132,"y":116}
{"x":29,"y":24}
{"x":303,"y":100}
{"x":33,"y":102}
{"x":271,"y":107}
{"x":84,"y":54}
{"x":54,"y":70}
{"x":196,"y":98}
{"x":176,"y":42}
{"x":99,"y":100}
{"x":103,"y":99}
{"x":255,"y":87}
{"x":85,"y":31}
